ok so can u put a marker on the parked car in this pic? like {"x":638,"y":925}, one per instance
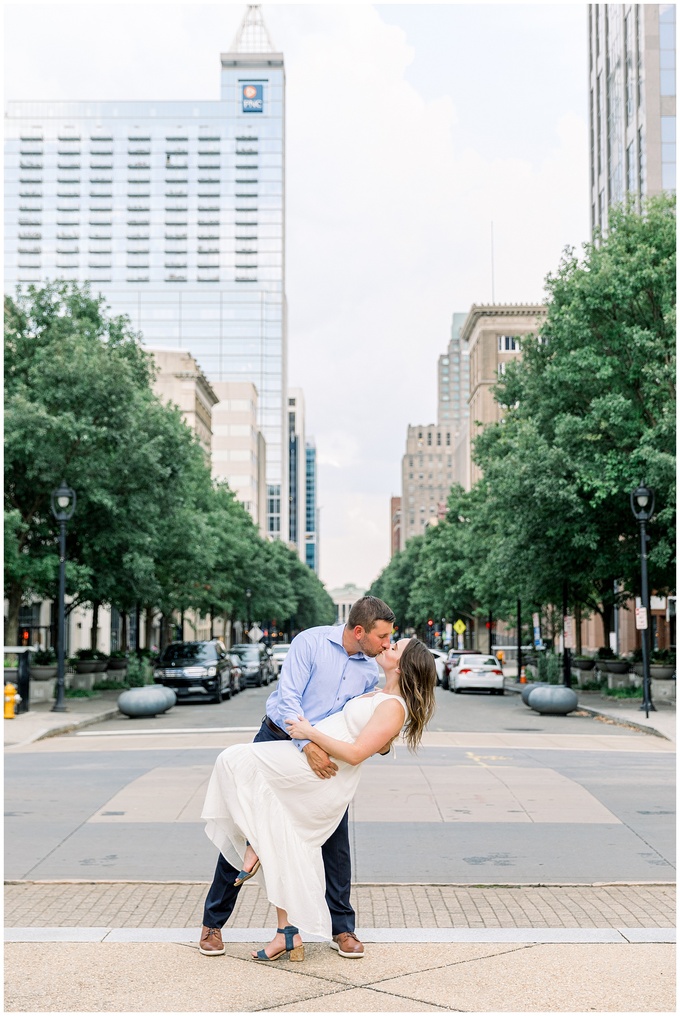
{"x":279,"y":653}
{"x":439,"y":661}
{"x":452,"y":661}
{"x":196,"y":670}
{"x":478,"y":671}
{"x":256,"y":663}
{"x":237,"y":673}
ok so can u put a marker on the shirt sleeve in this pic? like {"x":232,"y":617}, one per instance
{"x":293,"y":679}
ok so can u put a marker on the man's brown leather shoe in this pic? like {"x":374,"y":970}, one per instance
{"x":211,"y":943}
{"x":348,"y":945}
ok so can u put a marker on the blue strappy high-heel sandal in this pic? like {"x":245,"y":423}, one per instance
{"x":295,"y":952}
{"x":243,"y":876}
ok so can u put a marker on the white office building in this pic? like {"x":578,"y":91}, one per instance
{"x":174,"y":211}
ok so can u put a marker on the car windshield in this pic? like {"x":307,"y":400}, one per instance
{"x":187,"y":651}
{"x":246,"y":652}
{"x":478,"y":661}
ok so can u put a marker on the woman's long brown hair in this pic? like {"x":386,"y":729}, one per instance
{"x":417,"y":680}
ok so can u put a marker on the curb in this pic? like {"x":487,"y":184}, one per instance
{"x":66,"y":727}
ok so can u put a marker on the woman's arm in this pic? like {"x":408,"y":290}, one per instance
{"x":384,"y":725}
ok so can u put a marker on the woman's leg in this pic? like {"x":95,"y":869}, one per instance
{"x":278,"y":943}
{"x":249,"y":858}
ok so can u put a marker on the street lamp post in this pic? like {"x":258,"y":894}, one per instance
{"x":642,"y":506}
{"x":248,"y":596}
{"x":63,"y":507}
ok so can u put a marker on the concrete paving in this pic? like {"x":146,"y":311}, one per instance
{"x":400,"y":977}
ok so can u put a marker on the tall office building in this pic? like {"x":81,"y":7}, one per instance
{"x":426,"y":478}
{"x":632,"y":103}
{"x":311,"y":509}
{"x":174,"y":211}
{"x":453,"y":379}
{"x":297,"y":471}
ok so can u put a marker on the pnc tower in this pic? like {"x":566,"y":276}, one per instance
{"x":175,"y":213}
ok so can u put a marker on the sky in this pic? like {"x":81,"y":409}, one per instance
{"x":411,"y":128}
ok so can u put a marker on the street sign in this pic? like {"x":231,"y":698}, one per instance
{"x":255,"y":633}
{"x":641,"y":618}
{"x":459,"y":627}
{"x":538,"y":641}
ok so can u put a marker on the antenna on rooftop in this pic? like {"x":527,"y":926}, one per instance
{"x":252,"y":36}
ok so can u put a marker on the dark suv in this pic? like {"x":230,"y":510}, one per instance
{"x":197,"y":669}
{"x":256,"y":662}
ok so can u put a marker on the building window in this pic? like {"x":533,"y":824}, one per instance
{"x":667,"y":48}
{"x":429,"y":438}
{"x":668,"y":153}
{"x":507,"y":343}
{"x":630,"y":169}
{"x":642,"y":162}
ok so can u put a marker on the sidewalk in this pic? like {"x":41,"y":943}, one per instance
{"x":41,"y":722}
{"x":108,"y":945}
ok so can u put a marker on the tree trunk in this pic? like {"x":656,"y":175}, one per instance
{"x":95,"y":625}
{"x":148,"y":625}
{"x":124,"y":632}
{"x":12,"y":622}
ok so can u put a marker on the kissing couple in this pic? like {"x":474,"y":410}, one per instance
{"x":277,"y":809}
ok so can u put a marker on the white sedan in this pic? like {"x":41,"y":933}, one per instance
{"x":477,"y":672}
{"x":439,"y":661}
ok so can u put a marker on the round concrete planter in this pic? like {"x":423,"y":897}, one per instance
{"x":116,"y":663}
{"x":661,"y":671}
{"x":147,"y":701}
{"x":170,"y":694}
{"x":528,"y":688}
{"x":553,"y":700}
{"x":615,"y":666}
{"x":43,"y":672}
{"x":86,"y":666}
{"x":583,"y":663}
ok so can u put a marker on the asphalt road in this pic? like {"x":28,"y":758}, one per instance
{"x":566,"y":799}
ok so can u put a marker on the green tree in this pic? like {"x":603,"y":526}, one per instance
{"x":590,"y":410}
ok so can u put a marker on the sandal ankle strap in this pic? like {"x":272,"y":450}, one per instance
{"x":289,"y":931}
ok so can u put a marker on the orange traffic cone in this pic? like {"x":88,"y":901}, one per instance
{"x":523,"y":676}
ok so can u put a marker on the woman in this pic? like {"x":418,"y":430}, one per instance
{"x":269,"y":814}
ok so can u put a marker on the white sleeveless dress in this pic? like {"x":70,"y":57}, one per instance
{"x":266,"y":793}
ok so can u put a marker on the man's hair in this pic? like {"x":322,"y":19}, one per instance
{"x":367,"y":611}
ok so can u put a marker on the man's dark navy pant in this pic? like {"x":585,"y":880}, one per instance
{"x":221,"y":898}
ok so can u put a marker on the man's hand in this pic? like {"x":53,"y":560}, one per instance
{"x":319,"y":762}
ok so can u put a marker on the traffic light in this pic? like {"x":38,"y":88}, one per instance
{"x":430,"y":623}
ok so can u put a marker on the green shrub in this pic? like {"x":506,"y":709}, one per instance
{"x":138,"y":672}
{"x":549,"y":668}
{"x":623,"y":692}
{"x":79,"y":693}
{"x":44,"y":657}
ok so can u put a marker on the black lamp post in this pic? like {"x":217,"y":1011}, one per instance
{"x":642,"y":505}
{"x":63,"y":507}
{"x":248,"y":595}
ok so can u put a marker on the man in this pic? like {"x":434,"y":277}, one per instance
{"x":324,"y":668}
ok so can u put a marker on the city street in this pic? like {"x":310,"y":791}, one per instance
{"x":497,"y":794}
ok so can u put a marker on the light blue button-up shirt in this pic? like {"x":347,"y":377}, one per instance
{"x":318,"y":677}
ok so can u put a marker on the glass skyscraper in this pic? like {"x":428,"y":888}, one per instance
{"x":632,"y":86}
{"x":311,"y":509}
{"x":174,"y":211}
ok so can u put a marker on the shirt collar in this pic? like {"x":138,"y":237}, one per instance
{"x":335,"y":635}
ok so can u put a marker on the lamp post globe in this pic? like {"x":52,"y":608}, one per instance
{"x":63,"y":504}
{"x":642,"y":506}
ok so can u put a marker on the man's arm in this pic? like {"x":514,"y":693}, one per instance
{"x":293,"y":679}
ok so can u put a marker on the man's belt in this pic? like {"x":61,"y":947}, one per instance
{"x":275,"y":730}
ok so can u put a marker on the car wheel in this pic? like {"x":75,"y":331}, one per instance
{"x":456,"y":691}
{"x":501,"y":691}
{"x":217,"y":697}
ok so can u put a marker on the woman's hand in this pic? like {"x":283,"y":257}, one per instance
{"x":300,"y":728}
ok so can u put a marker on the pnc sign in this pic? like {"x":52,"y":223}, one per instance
{"x":252,"y":99}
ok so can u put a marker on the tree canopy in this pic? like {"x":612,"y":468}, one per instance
{"x":589,"y":412}
{"x":150,"y":527}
